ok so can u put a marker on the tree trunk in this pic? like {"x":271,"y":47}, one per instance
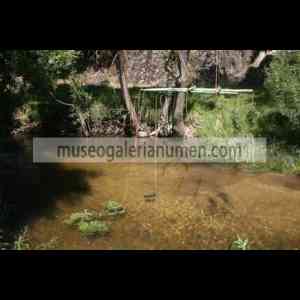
{"x":122,"y":70}
{"x":184,"y":80}
{"x":166,"y":109}
{"x":179,"y":115}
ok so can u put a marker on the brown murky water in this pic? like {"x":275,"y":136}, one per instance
{"x":198,"y":206}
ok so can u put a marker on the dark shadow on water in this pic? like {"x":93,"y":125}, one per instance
{"x":31,"y":191}
{"x":51,"y":183}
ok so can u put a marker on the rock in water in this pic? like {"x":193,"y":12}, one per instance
{"x":150,"y":196}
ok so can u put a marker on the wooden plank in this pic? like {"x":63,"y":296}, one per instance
{"x":214,"y":92}
{"x":166,"y":90}
{"x":209,"y":91}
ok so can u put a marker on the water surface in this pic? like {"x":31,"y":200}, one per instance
{"x":197,"y":206}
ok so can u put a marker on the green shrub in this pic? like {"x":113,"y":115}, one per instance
{"x":225,"y":117}
{"x":283,"y":86}
{"x":280,"y":158}
{"x":31,"y":74}
{"x":60,"y":63}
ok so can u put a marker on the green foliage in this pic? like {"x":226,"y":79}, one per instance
{"x":224,"y":117}
{"x":81,"y":98}
{"x":38,"y":68}
{"x":106,"y":95}
{"x":22,"y":242}
{"x":26,"y":113}
{"x":281,"y":159}
{"x":31,"y":74}
{"x":82,"y":217}
{"x":283,"y":85}
{"x":113,"y":208}
{"x":88,"y":223}
{"x":93,"y":228}
{"x":240,"y":244}
{"x":59,"y":63}
{"x":7,"y":67}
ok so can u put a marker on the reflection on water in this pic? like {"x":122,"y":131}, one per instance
{"x":195,"y":206}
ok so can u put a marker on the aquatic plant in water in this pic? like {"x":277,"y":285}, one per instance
{"x":89,"y":223}
{"x":79,"y":217}
{"x":240,"y":244}
{"x":93,"y":228}
{"x":113,"y":208}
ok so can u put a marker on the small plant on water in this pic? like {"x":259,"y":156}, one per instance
{"x":240,"y":244}
{"x":88,"y":223}
{"x":113,"y":208}
{"x":85,"y":216}
{"x":93,"y":228}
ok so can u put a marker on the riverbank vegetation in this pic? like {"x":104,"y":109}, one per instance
{"x":44,"y":92}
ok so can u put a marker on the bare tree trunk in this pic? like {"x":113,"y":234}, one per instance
{"x":166,"y":108}
{"x":122,"y":70}
{"x":184,"y":80}
{"x":179,"y":114}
